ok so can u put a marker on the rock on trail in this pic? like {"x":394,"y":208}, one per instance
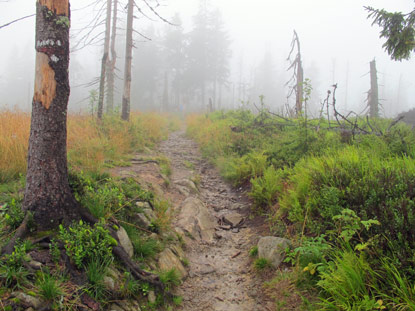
{"x":213,"y":220}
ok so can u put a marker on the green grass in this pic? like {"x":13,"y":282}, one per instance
{"x":253,"y":252}
{"x":170,"y":278}
{"x":49,"y":286}
{"x":260,"y":264}
{"x":96,"y":271}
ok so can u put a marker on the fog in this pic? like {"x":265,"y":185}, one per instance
{"x":250,"y":46}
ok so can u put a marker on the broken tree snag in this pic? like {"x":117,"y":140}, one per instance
{"x":47,"y":194}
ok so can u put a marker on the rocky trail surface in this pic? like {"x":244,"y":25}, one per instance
{"x":214,"y":220}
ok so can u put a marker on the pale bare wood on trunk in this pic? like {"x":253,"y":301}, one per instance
{"x":104,"y":61}
{"x":112,"y":62}
{"x":374,"y":91}
{"x":300,"y":79}
{"x":125,"y":114}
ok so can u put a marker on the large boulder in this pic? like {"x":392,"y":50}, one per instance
{"x":195,"y":219}
{"x":125,"y":241}
{"x":273,"y":249}
{"x":168,"y":260}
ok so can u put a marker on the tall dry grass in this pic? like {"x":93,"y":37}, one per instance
{"x":14,"y":137}
{"x":90,"y":143}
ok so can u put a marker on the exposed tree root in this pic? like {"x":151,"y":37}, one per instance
{"x":138,"y":273}
{"x":20,"y":233}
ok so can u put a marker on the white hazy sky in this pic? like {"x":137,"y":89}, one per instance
{"x":334,"y":34}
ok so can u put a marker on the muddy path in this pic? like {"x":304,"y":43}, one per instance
{"x":220,"y":274}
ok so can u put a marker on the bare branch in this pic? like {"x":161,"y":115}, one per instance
{"x":16,"y":20}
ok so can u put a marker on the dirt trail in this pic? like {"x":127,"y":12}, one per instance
{"x":220,"y":270}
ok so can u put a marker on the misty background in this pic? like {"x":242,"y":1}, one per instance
{"x":226,"y":52}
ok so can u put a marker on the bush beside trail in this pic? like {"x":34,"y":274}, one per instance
{"x":349,"y":194}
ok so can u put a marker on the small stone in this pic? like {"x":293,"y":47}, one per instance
{"x":235,"y":230}
{"x":149,"y":213}
{"x":109,"y":283}
{"x":36,"y":265}
{"x":115,"y":307}
{"x":233,"y":219}
{"x":125,"y":241}
{"x":273,"y":249}
{"x":141,"y":220}
{"x":169,"y":260}
{"x":143,"y":205}
{"x":28,"y":300}
{"x":151,"y":297}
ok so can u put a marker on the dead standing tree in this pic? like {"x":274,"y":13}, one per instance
{"x":112,"y":62}
{"x":297,"y":79}
{"x":104,"y":61}
{"x":125,"y":109}
{"x":125,"y":112}
{"x":373,"y":95}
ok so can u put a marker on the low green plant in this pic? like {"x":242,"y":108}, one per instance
{"x":96,"y":271}
{"x":145,"y":248}
{"x":13,"y":277}
{"x":349,"y":283}
{"x":54,"y":251}
{"x":12,"y":213}
{"x":253,"y":252}
{"x":170,"y":278}
{"x":185,"y":262}
{"x":188,"y":164}
{"x":49,"y":286}
{"x":165,"y":166}
{"x":177,"y":300}
{"x":401,"y":293}
{"x":84,"y":243}
{"x":13,"y":273}
{"x":265,"y":188}
{"x":261,"y":264}
{"x":130,"y":287}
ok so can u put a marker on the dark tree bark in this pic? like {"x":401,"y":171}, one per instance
{"x":125,"y":113}
{"x":104,"y":61}
{"x":111,"y":63}
{"x":47,"y":194}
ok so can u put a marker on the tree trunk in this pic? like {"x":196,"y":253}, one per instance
{"x":111,"y":66}
{"x":165,"y":100}
{"x":374,"y":91}
{"x":47,"y":194}
{"x":299,"y":78}
{"x":125,"y":114}
{"x":104,"y":61}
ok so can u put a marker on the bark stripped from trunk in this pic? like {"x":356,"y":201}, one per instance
{"x":125,"y":114}
{"x":104,"y":61}
{"x":47,"y":194}
{"x":111,"y":64}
